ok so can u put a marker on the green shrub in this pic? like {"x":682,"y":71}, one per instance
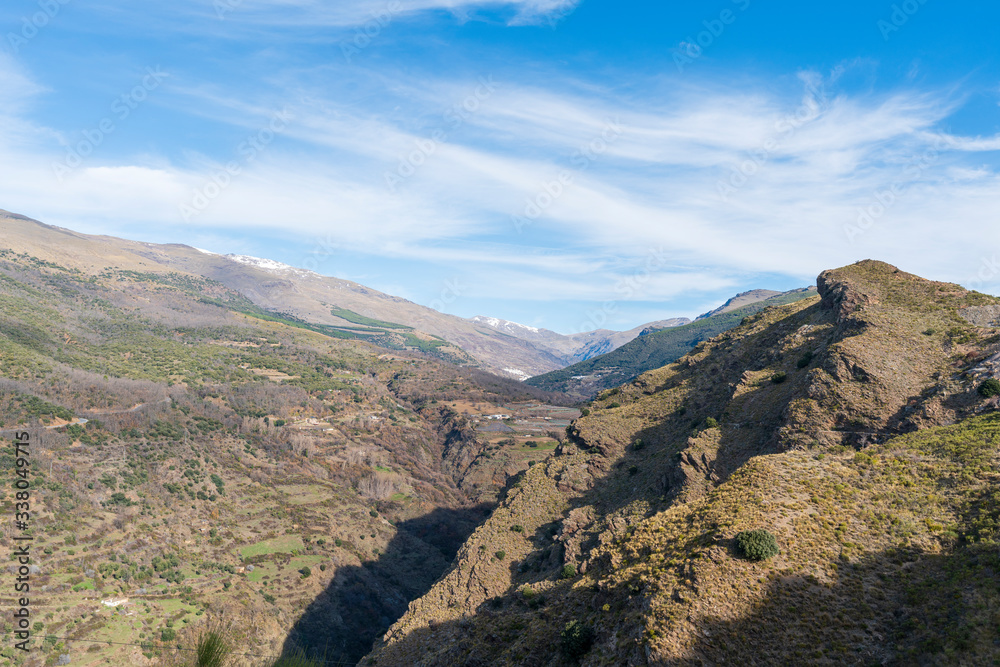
{"x":500,"y":555}
{"x":568,"y":571}
{"x":804,"y":360}
{"x":757,"y":544}
{"x":585,"y":412}
{"x":118,"y":500}
{"x":576,"y":639}
{"x":168,"y":634}
{"x":711,"y":422}
{"x":990,"y":388}
{"x":779,"y":377}
{"x":614,"y":404}
{"x":517,"y":528}
{"x":305,"y":571}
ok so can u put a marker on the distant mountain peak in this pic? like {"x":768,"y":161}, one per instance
{"x":746,"y":298}
{"x":269,"y":265}
{"x":502,"y":325}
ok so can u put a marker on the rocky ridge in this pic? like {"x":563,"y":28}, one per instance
{"x":833,"y":422}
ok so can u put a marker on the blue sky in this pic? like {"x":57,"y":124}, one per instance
{"x":566,"y":164}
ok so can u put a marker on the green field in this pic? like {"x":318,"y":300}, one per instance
{"x":351,"y":316}
{"x":305,"y":494}
{"x":277,"y":545}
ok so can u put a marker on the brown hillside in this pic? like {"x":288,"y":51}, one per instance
{"x":305,"y":294}
{"x":794,"y":421}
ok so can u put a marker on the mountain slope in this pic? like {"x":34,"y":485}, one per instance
{"x":654,"y":349}
{"x":272,"y":286}
{"x":194,"y":458}
{"x":741,"y":299}
{"x":849,"y":426}
{"x":506,"y":348}
{"x":579,"y":346}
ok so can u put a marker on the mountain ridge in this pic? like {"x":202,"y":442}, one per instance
{"x":851,"y":426}
{"x":271,"y":285}
{"x":654,"y":348}
{"x":579,"y":346}
{"x":519,"y":352}
{"x":741,"y":299}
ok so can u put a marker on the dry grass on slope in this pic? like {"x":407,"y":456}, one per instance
{"x":760,"y":426}
{"x":888,"y":557}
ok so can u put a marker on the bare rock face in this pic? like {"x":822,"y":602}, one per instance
{"x":981,"y":316}
{"x":842,"y":296}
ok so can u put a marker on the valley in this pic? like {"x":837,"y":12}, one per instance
{"x":326,"y":491}
{"x":499,"y":333}
{"x":197,"y":459}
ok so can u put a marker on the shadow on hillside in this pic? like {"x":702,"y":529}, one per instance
{"x":898,"y":607}
{"x":361,"y":602}
{"x":908,"y":418}
{"x":671,"y":453}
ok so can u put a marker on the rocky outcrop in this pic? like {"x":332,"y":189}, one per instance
{"x":981,"y":316}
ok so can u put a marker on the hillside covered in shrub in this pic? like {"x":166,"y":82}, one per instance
{"x":197,"y":460}
{"x":850,"y":428}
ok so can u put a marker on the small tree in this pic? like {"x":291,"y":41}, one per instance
{"x":990,"y":388}
{"x":568,"y":571}
{"x":576,"y":639}
{"x":757,"y":544}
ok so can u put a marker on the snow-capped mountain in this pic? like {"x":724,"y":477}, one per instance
{"x":573,"y":347}
{"x":506,"y":326}
{"x":268,"y":265}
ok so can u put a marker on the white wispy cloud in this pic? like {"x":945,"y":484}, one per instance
{"x":223,"y":16}
{"x":729,"y":181}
